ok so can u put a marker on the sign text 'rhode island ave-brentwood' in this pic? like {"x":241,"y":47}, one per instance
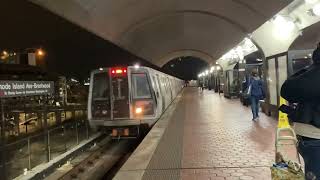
{"x":25,"y":88}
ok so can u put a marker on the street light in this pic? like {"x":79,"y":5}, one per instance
{"x":40,"y":52}
{"x":4,"y":55}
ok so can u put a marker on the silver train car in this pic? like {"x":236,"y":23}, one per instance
{"x":127,"y":101}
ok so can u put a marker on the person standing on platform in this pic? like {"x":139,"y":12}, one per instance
{"x":303,"y":90}
{"x":256,"y":93}
{"x":218,"y":83}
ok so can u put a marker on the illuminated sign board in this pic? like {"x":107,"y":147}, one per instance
{"x":25,"y":88}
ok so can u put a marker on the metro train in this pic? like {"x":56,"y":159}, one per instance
{"x":127,"y":101}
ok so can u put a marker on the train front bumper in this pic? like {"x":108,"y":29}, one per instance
{"x":121,"y":122}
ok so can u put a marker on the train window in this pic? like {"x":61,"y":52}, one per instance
{"x":155,"y":87}
{"x":299,"y":64}
{"x":100,"y":86}
{"x":154,"y":82}
{"x":141,"y":87}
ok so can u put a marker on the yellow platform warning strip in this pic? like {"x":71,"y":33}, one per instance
{"x":286,"y":139}
{"x":283,"y":117}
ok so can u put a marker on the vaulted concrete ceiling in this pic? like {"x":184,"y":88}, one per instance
{"x":309,"y":39}
{"x":159,"y":30}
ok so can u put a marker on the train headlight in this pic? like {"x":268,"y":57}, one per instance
{"x":143,"y":108}
{"x":138,"y":110}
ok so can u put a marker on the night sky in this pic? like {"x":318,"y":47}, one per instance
{"x":71,"y":50}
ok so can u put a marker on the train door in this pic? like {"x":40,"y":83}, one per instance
{"x":157,"y":93}
{"x":161,"y":89}
{"x":166,"y":91}
{"x":169,"y":88}
{"x":120,"y":93}
{"x":99,"y":99}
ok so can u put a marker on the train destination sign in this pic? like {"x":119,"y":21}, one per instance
{"x":25,"y":88}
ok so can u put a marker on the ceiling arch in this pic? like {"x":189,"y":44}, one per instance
{"x":143,"y":26}
{"x":183,"y":53}
{"x":197,"y":31}
{"x":309,"y":39}
{"x":150,"y":20}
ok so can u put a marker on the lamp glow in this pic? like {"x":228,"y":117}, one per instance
{"x":138,"y":110}
{"x":136,"y":66}
{"x":40,"y":52}
{"x":316,"y":9}
{"x":283,"y":27}
{"x":311,"y":1}
{"x":119,"y":71}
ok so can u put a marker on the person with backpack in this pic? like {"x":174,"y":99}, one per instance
{"x":302,"y":90}
{"x":255,"y":92}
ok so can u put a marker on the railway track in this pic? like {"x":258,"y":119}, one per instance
{"x":97,"y":162}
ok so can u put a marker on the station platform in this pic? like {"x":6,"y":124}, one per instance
{"x":204,"y":136}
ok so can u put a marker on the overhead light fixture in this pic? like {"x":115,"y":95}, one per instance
{"x":316,"y":9}
{"x":311,"y":1}
{"x":283,"y":26}
{"x":101,"y":69}
{"x":136,"y":66}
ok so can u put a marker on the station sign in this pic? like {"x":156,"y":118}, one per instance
{"x":25,"y":88}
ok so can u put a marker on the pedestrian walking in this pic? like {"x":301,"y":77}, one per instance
{"x":303,"y":90}
{"x":255,"y":92}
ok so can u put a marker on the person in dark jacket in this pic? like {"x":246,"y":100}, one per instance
{"x":303,"y":89}
{"x":256,"y":93}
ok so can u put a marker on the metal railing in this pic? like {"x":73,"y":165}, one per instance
{"x":25,"y":154}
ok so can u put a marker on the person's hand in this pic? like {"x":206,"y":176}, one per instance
{"x":286,"y":109}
